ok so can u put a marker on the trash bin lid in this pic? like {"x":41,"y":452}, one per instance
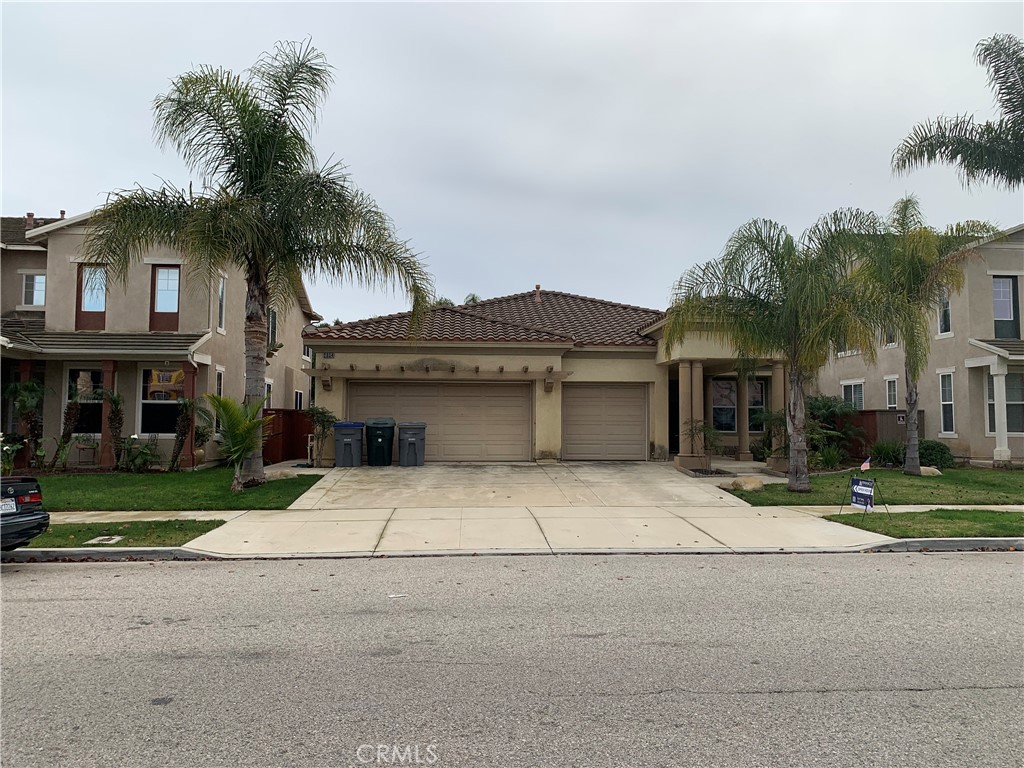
{"x":384,"y":421}
{"x":420,"y":424}
{"x":348,"y":424}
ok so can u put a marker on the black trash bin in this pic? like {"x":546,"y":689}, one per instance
{"x":412,"y":436}
{"x":348,"y":443}
{"x":380,"y":441}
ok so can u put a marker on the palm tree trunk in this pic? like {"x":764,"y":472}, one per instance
{"x":796,"y":423}
{"x":912,"y":458}
{"x":256,"y":300}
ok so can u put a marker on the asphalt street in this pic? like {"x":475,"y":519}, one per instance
{"x":567,"y":661}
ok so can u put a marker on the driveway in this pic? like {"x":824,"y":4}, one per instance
{"x":531,"y":508}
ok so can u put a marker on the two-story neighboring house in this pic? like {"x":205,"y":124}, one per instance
{"x":154,"y":340}
{"x":972,"y":392}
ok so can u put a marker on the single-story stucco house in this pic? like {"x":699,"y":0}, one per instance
{"x":541,"y":375}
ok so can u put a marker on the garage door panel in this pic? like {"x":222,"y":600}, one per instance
{"x":604,"y":422}
{"x":465,"y":422}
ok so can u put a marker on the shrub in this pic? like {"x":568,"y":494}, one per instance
{"x":888,"y":452}
{"x":760,"y":449}
{"x":935,"y":454}
{"x":831,"y":456}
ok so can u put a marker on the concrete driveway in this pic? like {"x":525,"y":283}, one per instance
{"x":532,"y":508}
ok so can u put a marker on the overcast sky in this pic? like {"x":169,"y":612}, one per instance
{"x":595,"y":149}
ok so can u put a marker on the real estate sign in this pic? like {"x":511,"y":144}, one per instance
{"x":862,"y":493}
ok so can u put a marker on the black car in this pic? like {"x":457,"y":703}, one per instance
{"x":21,"y":512}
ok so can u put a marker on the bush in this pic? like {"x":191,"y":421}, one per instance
{"x":760,"y":449}
{"x":935,"y":454}
{"x":888,"y":452}
{"x":831,"y":456}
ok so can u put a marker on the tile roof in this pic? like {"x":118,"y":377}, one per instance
{"x":28,"y":335}
{"x":12,"y":229}
{"x":557,"y":317}
{"x":441,"y":324}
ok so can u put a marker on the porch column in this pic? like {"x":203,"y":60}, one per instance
{"x":778,"y":392}
{"x":743,"y":419}
{"x":1002,"y":451}
{"x":697,"y":399}
{"x":24,"y":370}
{"x":685,"y":445}
{"x":188,"y":454}
{"x":106,"y":441}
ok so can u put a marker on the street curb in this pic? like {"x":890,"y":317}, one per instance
{"x":127,"y":554}
{"x":1009,"y":544}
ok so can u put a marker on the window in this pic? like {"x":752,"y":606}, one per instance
{"x":307,"y":352}
{"x":271,"y":329}
{"x":163,"y":314}
{"x":161,"y":390}
{"x":723,"y":404}
{"x":1005,"y":312}
{"x":222,"y":297}
{"x":1002,"y":298}
{"x":853,"y":393}
{"x":85,"y":383}
{"x":946,"y":400}
{"x":298,"y":399}
{"x":91,"y":302}
{"x":1014,"y":403}
{"x":890,"y":394}
{"x":34,"y":294}
{"x":94,"y":289}
{"x":312,"y":391}
{"x":945,"y":319}
{"x":270,"y":392}
{"x":889,"y":337}
{"x":755,"y":405}
{"x":218,"y":389}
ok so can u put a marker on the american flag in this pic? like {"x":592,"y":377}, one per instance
{"x":866,"y":465}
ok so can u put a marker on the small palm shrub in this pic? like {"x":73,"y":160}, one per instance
{"x":831,"y":457}
{"x":243,"y":429}
{"x":888,"y":452}
{"x":935,"y":454}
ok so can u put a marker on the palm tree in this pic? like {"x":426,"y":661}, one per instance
{"x":242,"y":431}
{"x":909,"y":269}
{"x":991,"y":151}
{"x":265,"y":206}
{"x":770,"y":295}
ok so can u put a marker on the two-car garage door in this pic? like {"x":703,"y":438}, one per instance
{"x":465,"y":422}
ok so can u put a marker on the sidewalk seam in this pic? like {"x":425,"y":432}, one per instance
{"x":384,"y":528}
{"x":541,"y":529}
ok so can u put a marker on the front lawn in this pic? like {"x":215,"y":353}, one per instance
{"x":964,"y":485}
{"x":938,"y":523}
{"x":206,"y":489}
{"x":144,"y":533}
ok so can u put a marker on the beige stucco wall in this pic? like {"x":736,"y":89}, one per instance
{"x":11,"y":283}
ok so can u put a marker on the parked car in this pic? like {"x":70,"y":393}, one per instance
{"x":21,"y":512}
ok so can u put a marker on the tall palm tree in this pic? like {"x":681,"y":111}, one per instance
{"x":991,"y":151}
{"x":771,"y":295}
{"x":909,"y":268}
{"x":265,"y":205}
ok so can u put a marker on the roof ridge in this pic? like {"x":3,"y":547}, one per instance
{"x":605,"y":302}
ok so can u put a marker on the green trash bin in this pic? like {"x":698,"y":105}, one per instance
{"x":380,"y":441}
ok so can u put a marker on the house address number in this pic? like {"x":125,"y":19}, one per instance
{"x":327,"y":355}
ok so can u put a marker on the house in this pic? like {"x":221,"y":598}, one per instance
{"x":155,"y":340}
{"x":972,"y":393}
{"x":542,"y":375}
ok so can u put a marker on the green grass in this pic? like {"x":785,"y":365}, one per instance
{"x":938,"y":523}
{"x":142,"y":533}
{"x":968,"y":485}
{"x":203,"y":490}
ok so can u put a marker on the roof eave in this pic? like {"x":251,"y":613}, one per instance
{"x":46,"y":229}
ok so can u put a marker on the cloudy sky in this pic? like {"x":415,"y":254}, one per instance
{"x":598,"y":149}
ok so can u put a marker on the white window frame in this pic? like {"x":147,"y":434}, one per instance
{"x":1009,"y":282}
{"x":852,"y":384}
{"x":25,"y":274}
{"x":297,"y":399}
{"x":157,"y":290}
{"x":990,"y":401}
{"x":218,"y":389}
{"x":943,"y":372}
{"x":944,"y":307}
{"x":734,"y":408}
{"x":86,"y":289}
{"x":307,"y":353}
{"x":894,"y":404}
{"x":222,"y":303}
{"x":888,"y":344}
{"x":268,"y":389}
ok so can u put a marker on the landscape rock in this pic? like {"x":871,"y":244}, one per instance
{"x":280,"y":474}
{"x":930,"y":472}
{"x":748,"y":484}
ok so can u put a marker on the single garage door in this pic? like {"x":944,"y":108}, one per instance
{"x":465,"y":422}
{"x":604,"y":422}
